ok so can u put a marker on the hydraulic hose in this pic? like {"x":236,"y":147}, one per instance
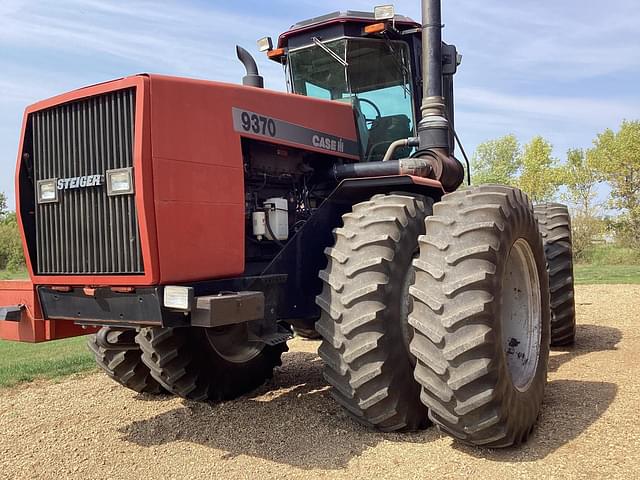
{"x":403,"y":142}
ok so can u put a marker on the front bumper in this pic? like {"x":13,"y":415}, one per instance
{"x":21,"y":316}
{"x":217,"y":303}
{"x":141,"y":307}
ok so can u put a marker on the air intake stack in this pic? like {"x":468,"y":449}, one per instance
{"x":434,"y":128}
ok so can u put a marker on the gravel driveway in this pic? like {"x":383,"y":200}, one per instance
{"x":88,"y":427}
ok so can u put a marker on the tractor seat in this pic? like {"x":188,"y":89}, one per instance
{"x":385,"y":131}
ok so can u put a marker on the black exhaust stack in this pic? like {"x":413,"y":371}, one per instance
{"x":253,"y":78}
{"x":434,"y":128}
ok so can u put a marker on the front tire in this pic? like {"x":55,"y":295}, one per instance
{"x":208,"y":363}
{"x":481,"y":316}
{"x":364,"y":312}
{"x":122,"y":361}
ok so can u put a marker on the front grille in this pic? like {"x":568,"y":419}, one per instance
{"x":86,"y":231}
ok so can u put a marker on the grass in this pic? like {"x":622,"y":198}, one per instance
{"x":26,"y":362}
{"x":14,"y":275}
{"x":606,"y":255}
{"x":608,"y":264}
{"x":606,"y":274}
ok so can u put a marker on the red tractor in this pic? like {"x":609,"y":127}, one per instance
{"x":192,"y":224}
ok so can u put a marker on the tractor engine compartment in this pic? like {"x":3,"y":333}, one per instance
{"x":284,"y":186}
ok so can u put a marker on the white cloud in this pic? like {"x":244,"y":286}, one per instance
{"x":553,"y":40}
{"x":568,"y":122}
{"x":173,"y":36}
{"x":584,"y":111}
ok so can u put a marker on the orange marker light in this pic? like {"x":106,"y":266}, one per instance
{"x":375,"y":28}
{"x":275,"y":53}
{"x":89,"y":291}
{"x":61,"y":289}
{"x":123,"y":289}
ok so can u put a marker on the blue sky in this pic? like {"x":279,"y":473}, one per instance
{"x":565,"y":70}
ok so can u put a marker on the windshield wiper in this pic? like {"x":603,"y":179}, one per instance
{"x":333,"y":54}
{"x":400,"y":64}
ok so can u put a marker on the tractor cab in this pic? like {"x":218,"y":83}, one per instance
{"x":371,"y":60}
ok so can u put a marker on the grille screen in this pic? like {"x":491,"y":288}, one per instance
{"x":86,"y":231}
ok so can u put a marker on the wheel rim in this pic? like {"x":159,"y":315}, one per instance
{"x":521,"y":317}
{"x":232,"y":343}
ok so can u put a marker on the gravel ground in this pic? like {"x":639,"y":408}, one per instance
{"x":88,"y":427}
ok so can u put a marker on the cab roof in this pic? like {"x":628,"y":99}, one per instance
{"x":334,"y":23}
{"x":347,"y":15}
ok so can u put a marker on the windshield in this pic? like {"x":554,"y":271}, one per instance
{"x":376,"y":79}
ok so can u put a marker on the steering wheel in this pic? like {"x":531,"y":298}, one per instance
{"x":375,"y":107}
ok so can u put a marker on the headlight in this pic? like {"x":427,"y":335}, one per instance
{"x":47,"y":191}
{"x":178,"y":298}
{"x":384,"y":12}
{"x":265,"y":44}
{"x":120,"y":181}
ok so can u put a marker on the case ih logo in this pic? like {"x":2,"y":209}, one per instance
{"x":80,"y":182}
{"x":328,"y":143}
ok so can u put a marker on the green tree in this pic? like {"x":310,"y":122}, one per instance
{"x":3,"y":205}
{"x":581,"y":177}
{"x":618,"y":157}
{"x":11,"y":255}
{"x":540,"y":176}
{"x":497,"y":161}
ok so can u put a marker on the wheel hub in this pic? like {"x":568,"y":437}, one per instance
{"x":233,"y":343}
{"x":521,"y":318}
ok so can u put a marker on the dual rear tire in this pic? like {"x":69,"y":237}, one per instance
{"x":476,"y":317}
{"x":555,"y":227}
{"x":481,"y":316}
{"x":364,"y":304}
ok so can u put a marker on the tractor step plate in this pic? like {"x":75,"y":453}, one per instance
{"x":276,"y":338}
{"x":228,"y":309}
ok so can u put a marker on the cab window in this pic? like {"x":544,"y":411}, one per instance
{"x":374,"y":75}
